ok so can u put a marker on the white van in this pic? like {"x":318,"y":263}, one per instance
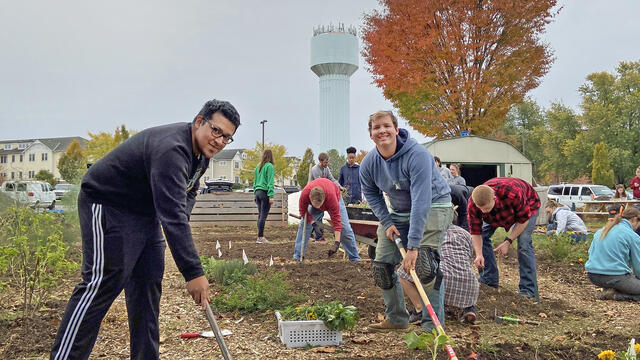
{"x":577,"y":194}
{"x":37,"y":194}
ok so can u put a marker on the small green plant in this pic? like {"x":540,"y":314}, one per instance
{"x":335,"y":315}
{"x":563,"y":248}
{"x":485,"y":348}
{"x":259,"y":292}
{"x":431,"y":341}
{"x":33,"y":254}
{"x":227,"y":272}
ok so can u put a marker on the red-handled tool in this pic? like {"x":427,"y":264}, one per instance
{"x":204,"y":334}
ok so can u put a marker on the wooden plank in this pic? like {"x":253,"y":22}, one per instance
{"x":234,"y":223}
{"x":224,"y":218}
{"x":224,"y":211}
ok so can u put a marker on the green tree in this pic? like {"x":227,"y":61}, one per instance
{"x":602,"y":172}
{"x":306,"y":164}
{"x":102,"y":143}
{"x":335,"y":162}
{"x":73,"y":163}
{"x":46,"y":175}
{"x":561,"y":126}
{"x":281,"y":163}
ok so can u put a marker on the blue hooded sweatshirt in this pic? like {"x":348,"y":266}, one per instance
{"x":412,"y":181}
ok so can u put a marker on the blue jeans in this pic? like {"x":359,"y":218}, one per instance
{"x":347,"y":237}
{"x":526,"y":259}
{"x":438,"y":220}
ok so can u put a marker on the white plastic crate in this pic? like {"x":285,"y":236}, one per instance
{"x":306,"y":332}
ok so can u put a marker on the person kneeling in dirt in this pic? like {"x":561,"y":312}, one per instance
{"x":613,"y":248}
{"x":460,"y":282}
{"x":318,"y":196}
{"x":146,"y":182}
{"x":563,"y":220}
{"x":421,"y":213}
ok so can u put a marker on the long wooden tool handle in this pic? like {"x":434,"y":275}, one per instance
{"x":216,"y":330}
{"x":427,"y":303}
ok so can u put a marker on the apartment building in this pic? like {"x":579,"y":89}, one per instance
{"x":226,"y":165}
{"x":22,"y":159}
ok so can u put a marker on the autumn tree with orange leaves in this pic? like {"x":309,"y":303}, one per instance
{"x":452,"y":65}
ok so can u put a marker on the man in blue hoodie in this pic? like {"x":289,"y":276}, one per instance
{"x":147,"y":182}
{"x":350,"y":177}
{"x":421,"y":212}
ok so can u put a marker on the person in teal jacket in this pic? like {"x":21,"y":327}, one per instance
{"x":613,"y":248}
{"x":263,"y":190}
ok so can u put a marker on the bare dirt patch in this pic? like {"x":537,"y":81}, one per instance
{"x":574,"y":325}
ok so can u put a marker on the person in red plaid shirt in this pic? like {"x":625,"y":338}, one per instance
{"x":513,"y":204}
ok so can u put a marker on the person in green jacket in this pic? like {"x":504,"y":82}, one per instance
{"x":263,"y":190}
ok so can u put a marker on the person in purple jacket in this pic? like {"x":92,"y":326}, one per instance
{"x":147,"y":182}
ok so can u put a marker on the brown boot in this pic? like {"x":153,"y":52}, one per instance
{"x":386,"y":326}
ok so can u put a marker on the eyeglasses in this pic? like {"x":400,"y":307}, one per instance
{"x":216,"y":133}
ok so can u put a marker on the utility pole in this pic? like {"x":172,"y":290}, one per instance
{"x":263,"y":122}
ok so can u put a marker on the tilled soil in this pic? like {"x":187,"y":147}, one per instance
{"x":574,"y":325}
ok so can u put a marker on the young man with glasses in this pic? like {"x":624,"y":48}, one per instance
{"x":146,"y":182}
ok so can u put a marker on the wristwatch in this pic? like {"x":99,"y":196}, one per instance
{"x":509,"y":240}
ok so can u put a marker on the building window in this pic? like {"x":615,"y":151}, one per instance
{"x":32,"y":174}
{"x":13,"y":175}
{"x":45,"y":156}
{"x":21,"y":158}
{"x":236,"y":164}
{"x":244,"y":155}
{"x":7,"y":146}
{"x":237,"y":179}
{"x":20,"y":175}
{"x":13,"y":158}
{"x":32,"y":157}
{"x":3,"y":159}
{"x":222,"y":163}
{"x":22,"y":146}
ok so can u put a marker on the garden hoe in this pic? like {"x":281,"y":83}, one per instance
{"x":501,"y":319}
{"x":425,"y":300}
{"x":216,"y":330}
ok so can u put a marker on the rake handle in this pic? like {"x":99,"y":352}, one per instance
{"x":425,"y":300}
{"x":216,"y":330}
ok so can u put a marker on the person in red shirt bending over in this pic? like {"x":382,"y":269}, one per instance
{"x":513,"y":204}
{"x":322,"y":195}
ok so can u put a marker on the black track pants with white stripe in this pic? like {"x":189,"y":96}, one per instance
{"x":120,"y":251}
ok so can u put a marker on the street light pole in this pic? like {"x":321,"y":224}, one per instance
{"x":263,"y":122}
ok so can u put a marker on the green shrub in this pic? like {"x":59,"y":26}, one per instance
{"x":562,"y":247}
{"x":33,"y":254}
{"x":71,"y":230}
{"x":260,"y":292}
{"x":227,"y":272}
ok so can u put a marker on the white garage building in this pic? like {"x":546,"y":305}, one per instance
{"x":482,"y":158}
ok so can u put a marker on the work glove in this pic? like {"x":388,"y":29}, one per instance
{"x":334,"y":249}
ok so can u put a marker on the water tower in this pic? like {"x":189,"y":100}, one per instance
{"x":334,"y":58}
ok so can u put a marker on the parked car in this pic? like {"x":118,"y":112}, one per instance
{"x":37,"y":194}
{"x":217,"y":186}
{"x":577,"y":194}
{"x":291,"y":189}
{"x":61,"y":190}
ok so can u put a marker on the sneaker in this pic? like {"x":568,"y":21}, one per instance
{"x":606,"y":294}
{"x":469,"y":315}
{"x":415,"y":317}
{"x":259,"y":241}
{"x":386,"y":326}
{"x":526,"y":295}
{"x":320,"y":240}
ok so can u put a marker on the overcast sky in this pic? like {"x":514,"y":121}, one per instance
{"x":72,"y":67}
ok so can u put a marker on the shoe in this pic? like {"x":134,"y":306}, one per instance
{"x":415,"y":317}
{"x":262,"y":240}
{"x":469,"y":315}
{"x":606,"y":294}
{"x":386,"y":326}
{"x":320,"y":240}
{"x":526,"y":295}
{"x":259,"y":241}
